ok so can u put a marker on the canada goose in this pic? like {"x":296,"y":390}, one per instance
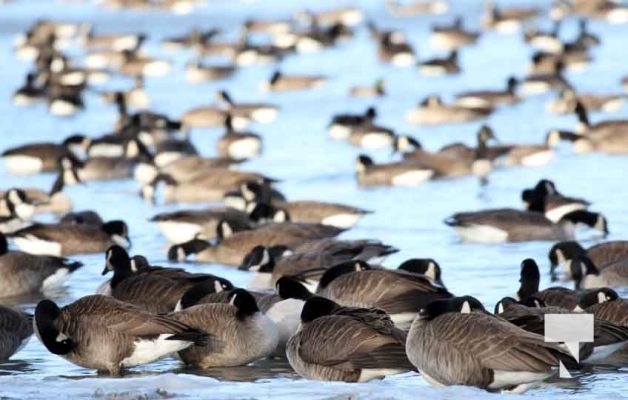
{"x":20,"y":210}
{"x":64,"y":239}
{"x":181,"y":169}
{"x":233,"y":247}
{"x":54,"y":201}
{"x":341,"y":344}
{"x":506,"y":20}
{"x":135,"y":97}
{"x":456,"y":342}
{"x":432,"y":111}
{"x":608,"y":338}
{"x":452,"y":37}
{"x":601,"y":254}
{"x":556,"y":296}
{"x":252,"y":192}
{"x":399,"y":293}
{"x":279,"y":82}
{"x":185,"y":225}
{"x":263,"y":113}
{"x":394,"y":49}
{"x":115,"y":146}
{"x":87,"y":217}
{"x":490,"y":98}
{"x":270,"y":27}
{"x":393,"y":174}
{"x":194,"y":38}
{"x":405,"y":9}
{"x":309,"y":266}
{"x":605,"y":304}
{"x":63,"y":103}
{"x":587,"y":276}
{"x":548,"y":41}
{"x":208,"y":186}
{"x":441,"y":66}
{"x":25,"y":273}
{"x":202,"y":117}
{"x":238,"y":145}
{"x":196,"y":72}
{"x":171,"y":149}
{"x":29,"y":94}
{"x":510,"y":225}
{"x":547,"y":63}
{"x":116,"y":42}
{"x":377,"y":90}
{"x":342,"y":125}
{"x":348,"y":16}
{"x":604,"y":135}
{"x":425,"y":267}
{"x":565,"y":103}
{"x":315,"y":38}
{"x":134,"y":64}
{"x":153,"y":292}
{"x":538,"y":83}
{"x":15,"y":330}
{"x":546,"y":199}
{"x":320,"y":212}
{"x":106,"y":334}
{"x":246,"y":53}
{"x":239,"y":332}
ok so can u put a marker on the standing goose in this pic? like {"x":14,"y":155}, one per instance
{"x":341,"y":344}
{"x":510,"y":225}
{"x":556,"y":296}
{"x":601,"y":254}
{"x":106,"y":334}
{"x":24,"y":273}
{"x":65,"y":239}
{"x":588,"y":276}
{"x":279,"y":82}
{"x":393,"y":174}
{"x":15,"y":330}
{"x":456,"y":342}
{"x":399,"y":293}
{"x":490,"y":98}
{"x":441,"y":66}
{"x":41,"y":157}
{"x":238,"y":145}
{"x":432,"y":111}
{"x":240,"y":333}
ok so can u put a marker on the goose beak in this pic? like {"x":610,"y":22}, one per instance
{"x":105,"y":271}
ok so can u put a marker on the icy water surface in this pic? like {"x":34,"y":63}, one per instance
{"x":297,"y":151}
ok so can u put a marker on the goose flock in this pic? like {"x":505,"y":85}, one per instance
{"x":305,"y":279}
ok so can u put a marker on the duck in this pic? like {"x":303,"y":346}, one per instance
{"x":337,"y":343}
{"x":64,"y":239}
{"x":420,"y":7}
{"x":587,"y":276}
{"x":452,"y":37}
{"x":369,"y":174}
{"x":30,"y":93}
{"x":441,"y":66}
{"x":490,"y":98}
{"x":26,"y":274}
{"x":457,"y":342}
{"x":601,"y":254}
{"x":377,"y":90}
{"x":555,"y":296}
{"x":185,"y":225}
{"x":308,"y":266}
{"x":511,"y":225}
{"x":279,"y":82}
{"x":240,"y":332}
{"x":238,"y":145}
{"x":399,"y":293}
{"x":432,"y":111}
{"x":565,"y":103}
{"x":196,"y":72}
{"x":263,"y":113}
{"x":16,"y":328}
{"x":102,"y":333}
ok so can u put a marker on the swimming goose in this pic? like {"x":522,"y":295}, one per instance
{"x":490,"y":98}
{"x":606,"y":136}
{"x":538,"y":83}
{"x":181,"y":169}
{"x":25,"y":273}
{"x":452,"y":37}
{"x":19,"y":211}
{"x":342,"y":344}
{"x":202,"y":117}
{"x":399,"y":293}
{"x":510,"y":225}
{"x":393,"y":48}
{"x":506,"y":20}
{"x":555,"y":296}
{"x":587,"y":276}
{"x":250,"y":193}
{"x":65,"y":239}
{"x":197,"y":72}
{"x":548,"y":41}
{"x":112,"y":41}
{"x":566,"y":101}
{"x":136,"y":97}
{"x":87,"y":217}
{"x":547,"y":63}
{"x":545,"y":198}
{"x":432,"y":111}
{"x":240,"y":333}
{"x":308,"y":265}
{"x":601,"y":254}
{"x":95,"y":169}
{"x":456,"y":342}
{"x":608,"y":338}
{"x":65,"y":101}
{"x":182,"y":226}
{"x":106,"y":334}
{"x":134,"y":64}
{"x":54,"y":201}
{"x":318,"y":212}
{"x":377,"y":90}
{"x":441,"y":66}
{"x":263,"y":113}
{"x":419,"y":7}
{"x":237,"y":144}
{"x":270,"y":27}
{"x":342,"y":125}
{"x":15,"y":330}
{"x":279,"y":82}
{"x":392,"y":174}
{"x":29,"y":94}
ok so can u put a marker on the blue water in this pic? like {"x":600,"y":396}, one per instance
{"x":311,"y":166}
